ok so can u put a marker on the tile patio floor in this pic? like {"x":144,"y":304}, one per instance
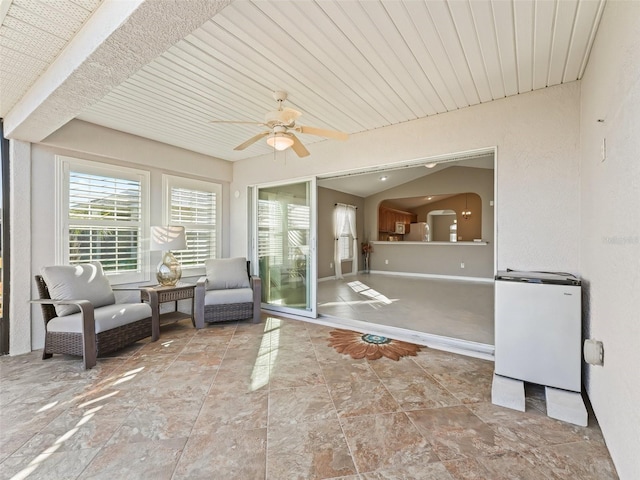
{"x":273,"y":400}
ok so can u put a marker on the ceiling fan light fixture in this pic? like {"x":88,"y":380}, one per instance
{"x":279,"y":141}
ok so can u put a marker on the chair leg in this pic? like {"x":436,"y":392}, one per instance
{"x":89,"y":361}
{"x":256,"y":313}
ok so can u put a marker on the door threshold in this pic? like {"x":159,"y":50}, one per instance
{"x":448,"y":344}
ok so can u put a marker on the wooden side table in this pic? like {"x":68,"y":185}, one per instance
{"x":181,"y":291}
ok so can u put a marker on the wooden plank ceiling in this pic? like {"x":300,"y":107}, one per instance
{"x":347,"y":65}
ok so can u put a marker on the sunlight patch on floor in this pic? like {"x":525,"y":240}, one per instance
{"x":367,"y":291}
{"x":268,"y":346}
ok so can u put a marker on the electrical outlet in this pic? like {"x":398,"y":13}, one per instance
{"x":330,"y":264}
{"x":462,"y":265}
{"x":386,"y":262}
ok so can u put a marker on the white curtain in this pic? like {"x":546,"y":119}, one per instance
{"x":344,"y":215}
{"x":339,"y":217}
{"x":351,"y":218}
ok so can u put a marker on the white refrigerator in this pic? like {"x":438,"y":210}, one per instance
{"x":418,"y":232}
{"x":538,"y":328}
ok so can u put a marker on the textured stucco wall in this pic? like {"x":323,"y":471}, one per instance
{"x":610,"y":228}
{"x":537,"y":139}
{"x":20,"y":237}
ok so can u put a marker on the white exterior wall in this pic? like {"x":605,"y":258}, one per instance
{"x":537,"y":136}
{"x":610,"y":230}
{"x":20,"y":238}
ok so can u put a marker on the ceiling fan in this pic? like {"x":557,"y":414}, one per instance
{"x":281,"y":125}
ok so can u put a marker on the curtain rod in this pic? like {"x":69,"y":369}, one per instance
{"x":345,"y":205}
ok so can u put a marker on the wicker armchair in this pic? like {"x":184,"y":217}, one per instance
{"x":227,"y":292}
{"x":83,"y":319}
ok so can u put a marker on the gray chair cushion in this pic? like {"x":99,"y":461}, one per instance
{"x":78,"y":282}
{"x":228,"y":296}
{"x":225,"y":273}
{"x":106,"y":317}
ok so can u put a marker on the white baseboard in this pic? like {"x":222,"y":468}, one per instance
{"x":434,"y":276}
{"x":333,"y":277}
{"x":326,"y":279}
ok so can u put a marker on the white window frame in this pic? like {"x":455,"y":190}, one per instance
{"x":346,"y":237}
{"x":64,"y":165}
{"x":173,"y":181}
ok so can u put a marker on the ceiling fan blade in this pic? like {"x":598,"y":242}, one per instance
{"x":323,"y":133}
{"x":297,"y":146}
{"x":236,"y":121}
{"x":289,"y":114}
{"x":252,"y":140}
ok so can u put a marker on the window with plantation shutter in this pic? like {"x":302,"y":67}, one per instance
{"x":195,"y":205}
{"x":104,"y":217}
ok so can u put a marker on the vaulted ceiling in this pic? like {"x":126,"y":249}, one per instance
{"x":163,"y":70}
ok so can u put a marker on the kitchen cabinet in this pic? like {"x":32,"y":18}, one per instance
{"x":387,"y":219}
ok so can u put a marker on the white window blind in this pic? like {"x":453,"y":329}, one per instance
{"x":195,"y":206}
{"x":298,"y":234}
{"x":270,"y":230}
{"x":345,"y":241}
{"x":275,"y":217}
{"x":103,"y":218}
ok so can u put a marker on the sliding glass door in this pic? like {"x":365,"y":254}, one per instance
{"x":284,"y":235}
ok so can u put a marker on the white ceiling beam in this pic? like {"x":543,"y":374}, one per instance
{"x":117,"y":41}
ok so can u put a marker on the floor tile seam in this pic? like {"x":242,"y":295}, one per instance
{"x":312,"y":422}
{"x":138,"y":403}
{"x":269,"y":426}
{"x":182,"y":450}
{"x":423,"y":348}
{"x":98,"y":451}
{"x":532,"y":465}
{"x":384,"y":385}
{"x":421,"y":409}
{"x":511,"y":424}
{"x":59,"y":435}
{"x":13,"y":455}
{"x":433,"y":442}
{"x":335,"y":411}
{"x":398,"y":468}
{"x":576,"y":442}
{"x":224,"y":355}
{"x":41,"y":431}
{"x":376,"y":414}
{"x":453,"y":394}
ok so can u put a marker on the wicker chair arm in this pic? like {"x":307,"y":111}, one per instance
{"x":89,"y":347}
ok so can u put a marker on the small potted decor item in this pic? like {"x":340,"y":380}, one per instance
{"x":367,"y":248}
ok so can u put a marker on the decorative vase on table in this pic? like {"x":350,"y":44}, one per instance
{"x":367,"y":248}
